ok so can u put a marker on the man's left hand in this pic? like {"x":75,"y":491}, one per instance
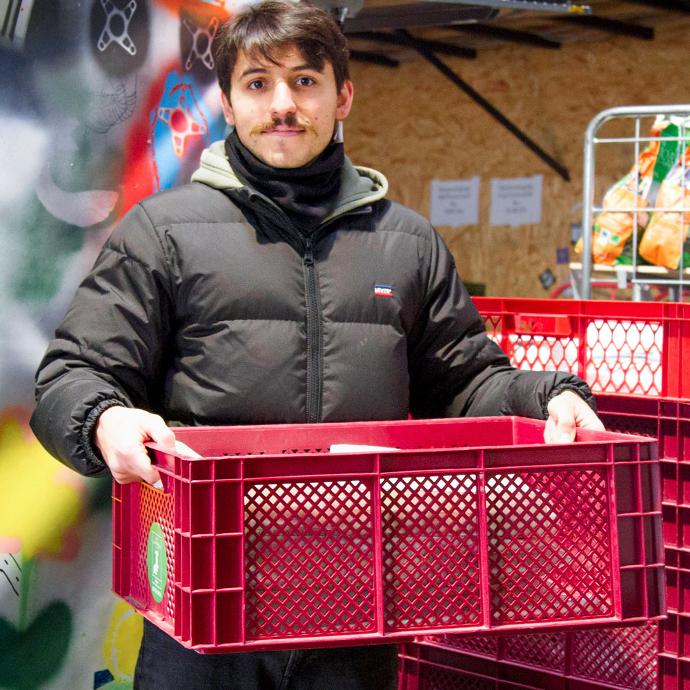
{"x":567,"y":412}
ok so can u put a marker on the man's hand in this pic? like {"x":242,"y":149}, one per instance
{"x":120,"y":436}
{"x":567,"y":411}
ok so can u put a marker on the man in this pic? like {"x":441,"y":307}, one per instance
{"x":280,"y":286}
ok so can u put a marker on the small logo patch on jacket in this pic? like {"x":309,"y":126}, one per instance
{"x":383,"y":290}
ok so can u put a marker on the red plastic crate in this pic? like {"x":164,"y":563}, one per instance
{"x":625,"y":658}
{"x":676,"y":520}
{"x":622,"y":656}
{"x":424,"y":667}
{"x":650,"y":659}
{"x":674,"y":672}
{"x":668,"y":421}
{"x":674,"y":642}
{"x":610,"y":658}
{"x":617,"y":347}
{"x":269,"y":541}
{"x":676,"y":635}
{"x":677,"y":582}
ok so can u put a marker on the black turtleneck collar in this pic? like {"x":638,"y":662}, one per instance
{"x":306,"y":194}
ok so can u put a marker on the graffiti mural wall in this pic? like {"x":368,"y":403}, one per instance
{"x":102,"y":102}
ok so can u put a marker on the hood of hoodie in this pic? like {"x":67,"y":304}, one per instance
{"x":359,"y":186}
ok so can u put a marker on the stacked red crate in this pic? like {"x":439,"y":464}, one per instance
{"x":629,"y":348}
{"x":631,"y":354}
{"x":601,"y":659}
{"x":669,"y":421}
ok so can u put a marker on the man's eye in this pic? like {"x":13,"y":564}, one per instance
{"x":305,"y":81}
{"x":256,"y":84}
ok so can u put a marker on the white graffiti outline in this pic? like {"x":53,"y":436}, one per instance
{"x":112,"y":105}
{"x":125,"y":15}
{"x":13,"y":580}
{"x":198,"y":32}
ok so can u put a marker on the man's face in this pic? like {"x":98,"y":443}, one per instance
{"x":285,"y":113}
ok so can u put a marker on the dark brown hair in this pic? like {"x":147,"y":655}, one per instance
{"x":266,"y":28}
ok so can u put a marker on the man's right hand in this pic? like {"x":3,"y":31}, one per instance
{"x":120,"y":436}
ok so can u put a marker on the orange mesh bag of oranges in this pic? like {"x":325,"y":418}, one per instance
{"x":627,"y":203}
{"x":662,"y":242}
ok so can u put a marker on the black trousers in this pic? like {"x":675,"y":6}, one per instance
{"x":164,"y":664}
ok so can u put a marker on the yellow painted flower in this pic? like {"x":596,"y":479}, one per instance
{"x":42,"y":499}
{"x":122,"y":641}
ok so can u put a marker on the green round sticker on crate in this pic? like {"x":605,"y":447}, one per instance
{"x":157,"y":562}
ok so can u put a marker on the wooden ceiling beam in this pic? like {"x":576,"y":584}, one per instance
{"x":413,"y":15}
{"x":682,"y":6}
{"x":395,"y":39}
{"x":444,"y":69}
{"x":613,"y":26}
{"x":373,"y":58}
{"x":509,"y":35}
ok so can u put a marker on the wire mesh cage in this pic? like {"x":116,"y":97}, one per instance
{"x":636,"y":202}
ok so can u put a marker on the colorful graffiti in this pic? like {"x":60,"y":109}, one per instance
{"x":102,"y":103}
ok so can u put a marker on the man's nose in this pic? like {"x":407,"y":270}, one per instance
{"x":283,"y":101}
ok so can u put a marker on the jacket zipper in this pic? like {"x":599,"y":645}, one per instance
{"x":313,"y":321}
{"x":314,"y":332}
{"x":314,"y":340}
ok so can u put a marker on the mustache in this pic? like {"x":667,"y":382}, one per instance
{"x":290,"y":120}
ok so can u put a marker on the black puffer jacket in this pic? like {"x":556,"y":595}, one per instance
{"x":207,"y":307}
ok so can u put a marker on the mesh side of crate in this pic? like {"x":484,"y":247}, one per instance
{"x":549,"y":551}
{"x":154,"y":507}
{"x":430,"y":551}
{"x":308,"y":559}
{"x":530,"y":349}
{"x":486,"y":645}
{"x":617,"y":355}
{"x":624,"y":356}
{"x":544,"y":353}
{"x":546,"y":650}
{"x":617,"y":656}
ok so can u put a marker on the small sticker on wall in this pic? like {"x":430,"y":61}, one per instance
{"x":562,"y":255}
{"x":575,"y":232}
{"x":157,"y":562}
{"x":547,"y":278}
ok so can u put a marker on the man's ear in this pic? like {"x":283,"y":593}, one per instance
{"x":344,"y":102}
{"x":227,"y":109}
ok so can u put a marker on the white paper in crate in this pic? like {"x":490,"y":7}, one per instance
{"x":358,"y":448}
{"x":185,"y":451}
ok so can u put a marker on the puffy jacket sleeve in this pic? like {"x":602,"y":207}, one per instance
{"x":108,"y":349}
{"x":455,"y":369}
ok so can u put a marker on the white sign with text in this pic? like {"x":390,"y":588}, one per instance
{"x":516,"y":200}
{"x":455,"y":202}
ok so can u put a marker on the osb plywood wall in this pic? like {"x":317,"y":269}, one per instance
{"x":414,"y":125}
